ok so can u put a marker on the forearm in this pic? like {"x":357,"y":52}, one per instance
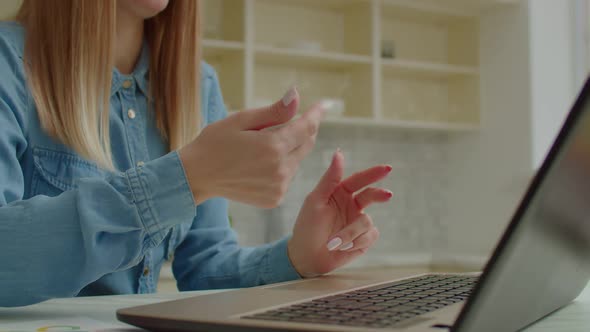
{"x":54,"y":246}
{"x":226,"y":265}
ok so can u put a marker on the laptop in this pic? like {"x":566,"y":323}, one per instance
{"x":541,"y":263}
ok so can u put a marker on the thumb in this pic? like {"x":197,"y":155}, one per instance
{"x":278,"y":113}
{"x":332,"y":178}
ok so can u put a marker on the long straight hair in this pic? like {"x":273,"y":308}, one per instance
{"x":69,"y":60}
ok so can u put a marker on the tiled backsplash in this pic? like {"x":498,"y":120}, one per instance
{"x":410,"y":225}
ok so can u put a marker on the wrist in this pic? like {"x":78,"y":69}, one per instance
{"x":291,"y":258}
{"x":297,"y":263}
{"x":197,"y":184}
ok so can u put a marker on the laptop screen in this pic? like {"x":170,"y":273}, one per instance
{"x":542,"y":261}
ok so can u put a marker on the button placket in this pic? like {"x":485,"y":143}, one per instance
{"x":132,"y":112}
{"x":146,"y":280}
{"x":127,"y":83}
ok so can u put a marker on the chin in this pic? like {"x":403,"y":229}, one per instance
{"x":144,"y":8}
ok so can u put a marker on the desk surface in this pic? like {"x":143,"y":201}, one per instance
{"x":574,"y":317}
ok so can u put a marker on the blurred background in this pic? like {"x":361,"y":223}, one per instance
{"x":462,"y":97}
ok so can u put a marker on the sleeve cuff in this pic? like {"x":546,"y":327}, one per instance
{"x":279,"y":267}
{"x":162,"y":195}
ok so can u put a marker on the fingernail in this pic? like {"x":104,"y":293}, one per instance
{"x":327,"y":104}
{"x":289,"y":96}
{"x":388,"y":193}
{"x":334,"y":243}
{"x":338,"y":150}
{"x":347,"y":246}
{"x":388,"y":168}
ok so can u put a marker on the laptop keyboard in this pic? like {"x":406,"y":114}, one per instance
{"x":382,"y":306}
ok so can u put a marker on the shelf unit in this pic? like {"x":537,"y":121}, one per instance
{"x":333,"y":49}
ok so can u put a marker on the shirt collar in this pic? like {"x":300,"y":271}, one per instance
{"x":139,"y":75}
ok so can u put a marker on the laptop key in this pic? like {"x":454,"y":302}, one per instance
{"x":431,"y":307}
{"x":353,"y":312}
{"x":348,"y":304}
{"x":400,"y":308}
{"x":372,"y":308}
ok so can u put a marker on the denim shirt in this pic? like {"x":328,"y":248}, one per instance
{"x":69,"y":228}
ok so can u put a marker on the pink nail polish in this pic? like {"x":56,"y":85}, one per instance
{"x":347,"y":246}
{"x":289,"y":96}
{"x":334,"y":244}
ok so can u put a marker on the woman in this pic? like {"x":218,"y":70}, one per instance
{"x":103,"y":176}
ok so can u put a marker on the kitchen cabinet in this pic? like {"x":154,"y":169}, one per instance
{"x":389,"y":63}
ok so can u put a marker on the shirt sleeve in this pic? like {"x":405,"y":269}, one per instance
{"x":209,"y":256}
{"x":54,"y":246}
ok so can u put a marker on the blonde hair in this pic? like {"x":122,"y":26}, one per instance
{"x":69,"y":61}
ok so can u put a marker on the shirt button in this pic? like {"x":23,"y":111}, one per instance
{"x":131,"y":113}
{"x":127,"y":84}
{"x":140,"y":163}
{"x":146,"y":271}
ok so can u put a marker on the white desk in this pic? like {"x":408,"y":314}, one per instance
{"x":574,"y":317}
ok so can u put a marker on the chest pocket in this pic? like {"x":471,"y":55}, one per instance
{"x":59,"y":171}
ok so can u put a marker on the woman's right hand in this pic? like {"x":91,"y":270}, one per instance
{"x":240,"y":159}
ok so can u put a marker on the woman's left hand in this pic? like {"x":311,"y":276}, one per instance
{"x":332,"y":229}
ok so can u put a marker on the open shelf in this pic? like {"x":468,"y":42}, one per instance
{"x":391,"y":124}
{"x":416,"y":35}
{"x":216,"y":44}
{"x":427,"y":69}
{"x":410,"y":125}
{"x":445,"y":100}
{"x":404,"y":64}
{"x":277,"y":55}
{"x":350,"y":85}
{"x":228,"y":60}
{"x":337,"y":26}
{"x":223,"y":20}
{"x":218,"y":48}
{"x":450,"y":8}
{"x":430,"y":72}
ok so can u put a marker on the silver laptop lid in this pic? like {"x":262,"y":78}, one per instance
{"x":542,"y":261}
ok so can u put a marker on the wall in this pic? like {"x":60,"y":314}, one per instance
{"x":552,"y":70}
{"x":527,"y":86}
{"x":489,"y":171}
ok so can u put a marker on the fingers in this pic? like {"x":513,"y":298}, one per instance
{"x":280,"y":112}
{"x":365,"y":241}
{"x":370,"y":196}
{"x":331,"y":178}
{"x":345,"y":238}
{"x":299,"y":132}
{"x":364,"y":178}
{"x":297,"y":155}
